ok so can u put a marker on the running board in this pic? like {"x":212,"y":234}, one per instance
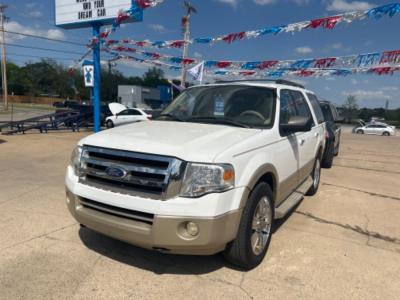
{"x":294,"y":199}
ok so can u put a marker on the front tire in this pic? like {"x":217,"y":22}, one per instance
{"x":386,"y":133}
{"x":360,"y":131}
{"x":316,"y":177}
{"x":109,"y":124}
{"x":254,"y":234}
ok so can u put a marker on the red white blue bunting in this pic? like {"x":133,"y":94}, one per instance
{"x":277,"y":73}
{"x":331,"y":22}
{"x":137,"y":6}
{"x":386,"y":58}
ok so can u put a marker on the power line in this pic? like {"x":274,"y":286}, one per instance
{"x":39,"y":48}
{"x":44,"y":38}
{"x":38,"y":56}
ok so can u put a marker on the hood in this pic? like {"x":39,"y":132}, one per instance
{"x":361,"y":123}
{"x":116,"y":108}
{"x":188,"y":141}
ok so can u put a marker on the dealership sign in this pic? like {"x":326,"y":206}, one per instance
{"x":83,"y":13}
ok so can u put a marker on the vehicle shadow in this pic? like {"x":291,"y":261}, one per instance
{"x":148,"y":260}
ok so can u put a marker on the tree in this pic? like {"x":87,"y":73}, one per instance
{"x":350,"y":108}
{"x":154,"y":77}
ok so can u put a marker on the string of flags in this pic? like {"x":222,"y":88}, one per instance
{"x":137,"y":6}
{"x":359,"y":60}
{"x":198,"y":71}
{"x":330,"y":22}
{"x":308,"y":72}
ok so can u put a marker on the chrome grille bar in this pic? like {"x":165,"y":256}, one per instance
{"x":144,"y":175}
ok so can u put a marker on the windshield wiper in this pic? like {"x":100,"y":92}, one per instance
{"x":218,"y":121}
{"x":171,"y":116}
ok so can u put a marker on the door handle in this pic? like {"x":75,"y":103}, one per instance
{"x":302,"y":141}
{"x":317,"y":134}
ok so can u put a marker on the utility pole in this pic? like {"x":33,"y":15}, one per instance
{"x":186,"y":36}
{"x":4,"y":59}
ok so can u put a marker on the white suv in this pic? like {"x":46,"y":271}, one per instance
{"x":212,"y":174}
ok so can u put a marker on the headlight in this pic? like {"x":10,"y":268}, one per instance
{"x":76,"y":159}
{"x":202,"y":179}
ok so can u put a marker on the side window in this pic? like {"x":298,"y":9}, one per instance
{"x":134,"y":112}
{"x":288,"y":107}
{"x":317,"y":108}
{"x":124,"y":113}
{"x":301,"y":105}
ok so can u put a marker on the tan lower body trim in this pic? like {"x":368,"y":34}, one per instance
{"x":166,"y":233}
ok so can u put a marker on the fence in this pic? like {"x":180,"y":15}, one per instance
{"x":31,"y":100}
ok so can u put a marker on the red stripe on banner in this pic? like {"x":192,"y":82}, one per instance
{"x":328,"y":23}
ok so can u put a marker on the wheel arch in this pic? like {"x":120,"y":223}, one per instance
{"x":266,"y":173}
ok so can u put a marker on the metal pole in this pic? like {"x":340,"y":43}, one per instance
{"x":185,"y":47}
{"x":3,"y":60}
{"x":97,"y":79}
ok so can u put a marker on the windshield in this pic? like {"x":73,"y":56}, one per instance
{"x":234,"y":105}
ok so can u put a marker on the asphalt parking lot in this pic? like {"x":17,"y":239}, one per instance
{"x":343,"y":243}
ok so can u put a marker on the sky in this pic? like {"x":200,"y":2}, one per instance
{"x":217,"y":17}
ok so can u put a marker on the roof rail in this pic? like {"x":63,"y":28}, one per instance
{"x":277,"y":81}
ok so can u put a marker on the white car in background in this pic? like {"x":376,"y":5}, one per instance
{"x":376,"y":128}
{"x":123,"y":115}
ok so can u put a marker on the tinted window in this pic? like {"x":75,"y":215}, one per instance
{"x":317,"y":108}
{"x":327,"y":112}
{"x":130,"y":112}
{"x":301,"y":104}
{"x":293,"y":104}
{"x":288,"y":107}
{"x":134,"y":112}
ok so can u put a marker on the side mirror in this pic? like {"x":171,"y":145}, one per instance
{"x":297,"y":124}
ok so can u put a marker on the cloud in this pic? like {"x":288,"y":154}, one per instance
{"x":390,"y":88}
{"x":304,"y":50}
{"x":232,"y":3}
{"x":35,"y":14}
{"x":264,"y":2}
{"x":342,"y":5}
{"x":158,"y":28}
{"x":364,"y":94}
{"x":337,"y":47}
{"x":268,"y":2}
{"x":17,"y":27}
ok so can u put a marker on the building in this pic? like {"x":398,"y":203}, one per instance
{"x":144,"y":97}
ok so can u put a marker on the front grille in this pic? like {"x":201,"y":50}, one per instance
{"x":117,"y":211}
{"x":137,"y":174}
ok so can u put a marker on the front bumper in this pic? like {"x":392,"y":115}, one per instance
{"x":164,"y":233}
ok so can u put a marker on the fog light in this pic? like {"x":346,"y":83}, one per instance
{"x":192,"y":228}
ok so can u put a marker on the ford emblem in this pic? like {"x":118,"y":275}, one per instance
{"x":116,"y":172}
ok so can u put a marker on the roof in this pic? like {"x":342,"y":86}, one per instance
{"x":279,"y":83}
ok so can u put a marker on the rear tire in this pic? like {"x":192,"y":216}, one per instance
{"x":254,"y":234}
{"x":328,"y":160}
{"x":337,"y":150}
{"x":316,"y":177}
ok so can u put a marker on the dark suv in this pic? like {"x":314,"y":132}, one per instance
{"x":333,"y":131}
